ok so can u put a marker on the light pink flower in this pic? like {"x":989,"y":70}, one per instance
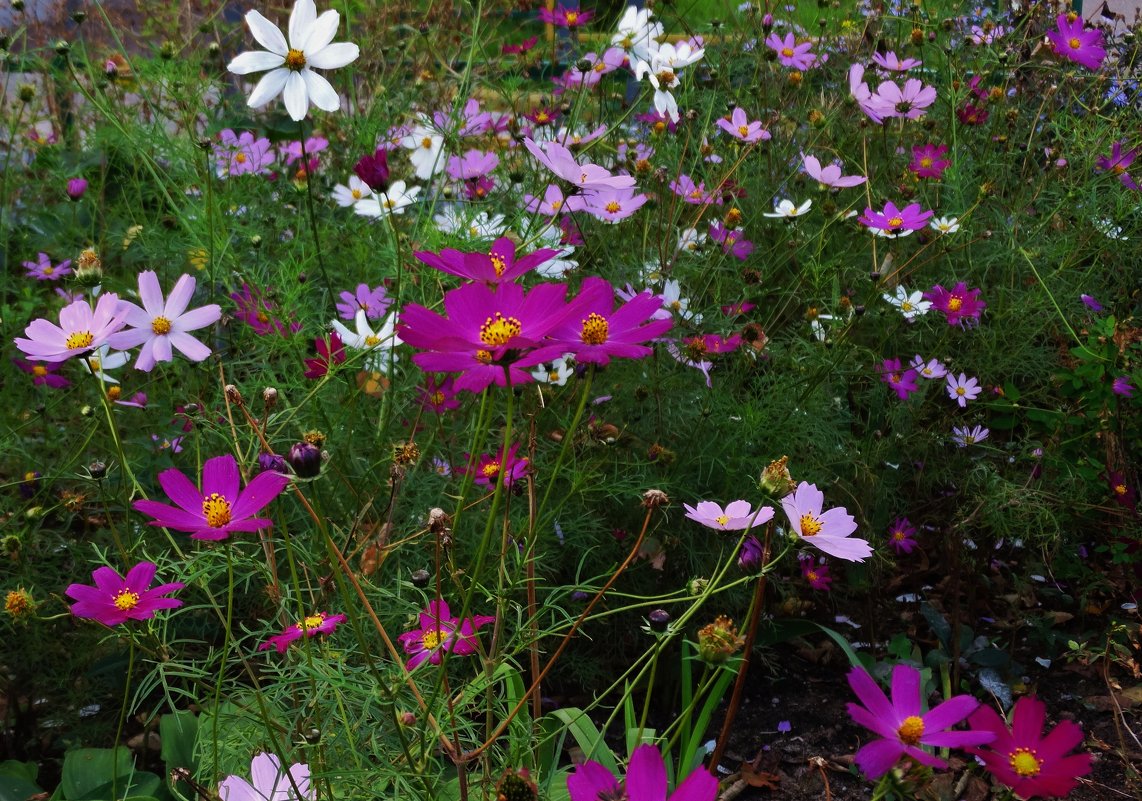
{"x":829,"y":530}
{"x":81,"y":330}
{"x":161,"y":325}
{"x":737,"y":515}
{"x":829,"y":176}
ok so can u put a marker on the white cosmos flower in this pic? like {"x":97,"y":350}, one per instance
{"x":785,"y":208}
{"x":427,"y":145}
{"x":561,"y":370}
{"x":348,"y":195}
{"x":945,"y":225}
{"x":391,"y":201}
{"x":291,"y":64}
{"x":103,"y":359}
{"x":380,"y":341}
{"x":911,"y":305}
{"x":637,"y":35}
{"x":690,"y":240}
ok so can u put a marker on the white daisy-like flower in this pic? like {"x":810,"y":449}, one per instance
{"x":560,"y":370}
{"x":945,"y":225}
{"x":379,"y":342}
{"x":427,"y":146}
{"x":557,"y":266}
{"x":1108,"y":229}
{"x":456,"y":220}
{"x":103,"y":359}
{"x":346,"y":196}
{"x":820,"y":331}
{"x":290,"y":64}
{"x":393,"y":200}
{"x":911,"y":305}
{"x":690,"y":240}
{"x":787,"y":209}
{"x":674,"y":304}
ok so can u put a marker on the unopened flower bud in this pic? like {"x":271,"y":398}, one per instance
{"x":77,"y":16}
{"x":255,"y":241}
{"x":97,"y":470}
{"x":214,"y":49}
{"x":76,"y":188}
{"x":17,"y":5}
{"x":232,"y":394}
{"x":420,"y":578}
{"x":305,"y":459}
{"x":26,"y":92}
{"x":406,"y":718}
{"x":374,"y":170}
{"x":270,"y":397}
{"x":62,"y":46}
{"x":272,"y":463}
{"x":166,"y":50}
{"x":659,"y":619}
{"x":917,"y":37}
{"x":749,"y":557}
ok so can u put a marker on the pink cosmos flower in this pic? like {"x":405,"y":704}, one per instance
{"x":645,"y":781}
{"x":488,"y":468}
{"x":894,"y":222}
{"x":903,"y":382}
{"x":692,"y":193}
{"x":81,"y":330}
{"x":473,"y":164}
{"x":330,"y":351}
{"x":257,"y":312}
{"x":964,"y":436}
{"x":986,"y":35}
{"x":564,"y":17}
{"x":829,"y":176}
{"x":292,"y":151}
{"x":219,"y":508}
{"x":963,"y":389}
{"x":929,"y":369}
{"x":859,"y":91}
{"x":374,"y":301}
{"x":559,"y":160}
{"x":43,"y":373}
{"x":791,"y":54}
{"x":901,"y":535}
{"x":891,"y":62}
{"x":739,"y":126}
{"x":737,"y":515}
{"x":608,"y":205}
{"x":1023,"y":759}
{"x":268,"y":782}
{"x":440,"y":632}
{"x":116,"y":599}
{"x":732,"y":240}
{"x":42,"y":269}
{"x":1072,"y":42}
{"x":902,"y":723}
{"x":908,"y":101}
{"x":928,"y":161}
{"x":828,"y":531}
{"x":438,"y":396}
{"x":499,"y":264}
{"x":311,"y":626}
{"x":817,"y":575}
{"x":596,"y":331}
{"x":162,"y":325}
{"x":552,"y":203}
{"x":959,"y":305}
{"x":521,"y":48}
{"x":1117,"y":162}
{"x":1121,"y":386}
{"x":242,"y":154}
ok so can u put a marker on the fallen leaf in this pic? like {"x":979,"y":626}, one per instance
{"x":759,"y":778}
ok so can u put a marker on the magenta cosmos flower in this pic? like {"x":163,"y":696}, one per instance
{"x":115,"y":599}
{"x":440,"y":632}
{"x":268,"y":782}
{"x":739,"y":126}
{"x":958,"y":304}
{"x":81,"y":330}
{"x":903,"y":725}
{"x":736,"y":516}
{"x":596,"y":331}
{"x":219,"y":507}
{"x":903,"y":382}
{"x":1032,"y":765}
{"x":161,"y":325}
{"x":1118,"y":162}
{"x":499,"y":264}
{"x":565,"y":17}
{"x":829,"y":176}
{"x":310,"y":626}
{"x":1075,"y":44}
{"x":901,"y":535}
{"x":645,"y":781}
{"x":789,"y":53}
{"x":330,"y":351}
{"x":928,"y":161}
{"x":488,"y":468}
{"x":45,"y":374}
{"x":816,"y":575}
{"x":828,"y":531}
{"x":42,"y":268}
{"x":894,"y":222}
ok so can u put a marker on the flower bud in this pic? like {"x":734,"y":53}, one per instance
{"x":77,"y":16}
{"x":659,"y":619}
{"x":272,"y":463}
{"x":420,"y":578}
{"x":305,"y":459}
{"x":655,"y":498}
{"x":718,"y":641}
{"x":516,"y":785}
{"x":749,"y":557}
{"x":76,"y":187}
{"x":232,"y":394}
{"x":374,"y":170}
{"x":269,"y":398}
{"x":26,"y":92}
{"x":62,"y":46}
{"x":17,"y":5}
{"x":97,"y":470}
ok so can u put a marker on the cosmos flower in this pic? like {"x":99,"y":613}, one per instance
{"x":732,"y":240}
{"x":739,"y":126}
{"x":116,"y":599}
{"x":439,"y":632}
{"x":1091,"y":302}
{"x":43,"y":373}
{"x":379,"y":342}
{"x":330,"y":351}
{"x":489,"y":467}
{"x":911,"y":305}
{"x":393,"y":200}
{"x":242,"y":154}
{"x":374,"y":301}
{"x":909,"y":101}
{"x":473,"y":164}
{"x":427,"y":146}
{"x":736,"y":516}
{"x":81,"y":330}
{"x":692,"y":193}
{"x":1121,"y":386}
{"x":557,"y":373}
{"x":945,"y":225}
{"x":962,"y":389}
{"x":499,"y":264}
{"x":564,"y":17}
{"x":663,"y":69}
{"x":901,"y":535}
{"x":902,"y":382}
{"x":963,"y":436}
{"x":645,"y":781}
{"x":310,"y":626}
{"x":1031,"y":764}
{"x":893,"y":222}
{"x":789,"y":53}
{"x":959,"y":305}
{"x":1117,"y":163}
{"x":219,"y":508}
{"x":786,"y":209}
{"x":595,"y":331}
{"x":559,"y":160}
{"x":902,"y":724}
{"x":891,"y":62}
{"x":372,"y":169}
{"x":930,"y":369}
{"x":636,"y":34}
{"x":817,"y":575}
{"x":608,"y":205}
{"x":291,"y":64}
{"x":829,"y":176}
{"x":42,"y":268}
{"x":828,"y":531}
{"x":346,"y":196}
{"x":257,"y":312}
{"x":162,"y":325}
{"x":1074,"y":43}
{"x":928,"y":160}
{"x":438,"y":395}
{"x":268,"y":782}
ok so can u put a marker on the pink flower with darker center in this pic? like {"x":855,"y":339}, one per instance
{"x":903,"y":381}
{"x":816,"y":575}
{"x":1116,"y":163}
{"x":928,"y":161}
{"x":116,"y":599}
{"x":1072,"y":42}
{"x":564,"y":17}
{"x":829,"y":530}
{"x":496,"y":266}
{"x":909,"y":101}
{"x":960,"y":305}
{"x":489,"y":468}
{"x":439,"y":632}
{"x":596,"y":331}
{"x":791,"y":54}
{"x":901,"y":535}
{"x":309,"y":626}
{"x":43,"y":373}
{"x":739,"y":126}
{"x":894,"y":222}
{"x":160,"y":325}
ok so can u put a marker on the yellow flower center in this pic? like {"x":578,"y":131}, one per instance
{"x":431,"y":639}
{"x":955,"y":303}
{"x":572,"y":17}
{"x":926,"y":161}
{"x":899,"y":536}
{"x":812,"y":575}
{"x":113,"y":393}
{"x":810,"y":525}
{"x":1025,"y":763}
{"x":498,"y":264}
{"x":484,"y":356}
{"x":497,"y":331}
{"x":311,"y":622}
{"x":906,"y":306}
{"x":969,"y":439}
{"x":961,"y":391}
{"x":80,"y":339}
{"x":216,"y":510}
{"x":1119,"y":489}
{"x":896,"y":222}
{"x":1117,"y":169}
{"x":613,"y":207}
{"x":491,"y":470}
{"x":743,"y":130}
{"x":426,"y":143}
{"x":295,"y":60}
{"x":595,"y":329}
{"x":787,"y":52}
{"x":125,"y":600}
{"x":356,"y":193}
{"x":39,"y":371}
{"x":1074,"y":43}
{"x":49,"y":270}
{"x":542,"y":117}
{"x":263,"y":318}
{"x":372,"y":341}
{"x":240,"y":158}
{"x":556,"y":205}
{"x":911,"y":730}
{"x":721,"y":520}
{"x":436,"y":398}
{"x":161,"y":325}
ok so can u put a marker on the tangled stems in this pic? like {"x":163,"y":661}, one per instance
{"x":312,"y":215}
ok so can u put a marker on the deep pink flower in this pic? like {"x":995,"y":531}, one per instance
{"x":42,"y":268}
{"x":521,"y":48}
{"x":438,"y":396}
{"x":1032,"y":765}
{"x":1091,"y":302}
{"x":330,"y":351}
{"x":732,"y":240}
{"x":488,"y":468}
{"x":596,"y":331}
{"x":76,"y":187}
{"x":901,"y":535}
{"x":219,"y":508}
{"x":894,"y":222}
{"x":828,"y":531}
{"x":903,"y":724}
{"x":43,"y":373}
{"x":440,"y":632}
{"x":959,"y":305}
{"x":1074,"y":43}
{"x":791,"y":54}
{"x":373,"y":169}
{"x":815,"y":574}
{"x":645,"y":781}
{"x":739,"y":126}
{"x":903,"y":382}
{"x":565,"y":17}
{"x":257,"y":312}
{"x":116,"y":599}
{"x":81,"y":330}
{"x":1117,"y":162}
{"x":928,"y":160}
{"x":829,"y":176}
{"x":160,"y":325}
{"x":498,"y":265}
{"x":311,"y":626}
{"x":1121,"y":490}
{"x":736,"y":516}
{"x":1121,"y":386}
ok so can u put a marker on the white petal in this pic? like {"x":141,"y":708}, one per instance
{"x":268,"y":88}
{"x":254,"y":61}
{"x":320,"y":33}
{"x":296,"y":96}
{"x":266,"y":33}
{"x":333,"y":56}
{"x":321,"y":94}
{"x":301,"y":19}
